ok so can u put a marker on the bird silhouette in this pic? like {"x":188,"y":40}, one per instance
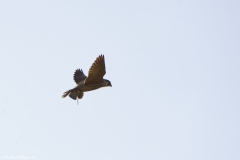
{"x":93,"y":81}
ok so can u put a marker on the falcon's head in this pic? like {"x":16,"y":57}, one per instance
{"x":107,"y":83}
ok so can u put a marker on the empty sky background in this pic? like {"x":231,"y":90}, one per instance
{"x":174,"y":67}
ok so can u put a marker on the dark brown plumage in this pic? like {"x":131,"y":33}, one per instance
{"x":93,"y":81}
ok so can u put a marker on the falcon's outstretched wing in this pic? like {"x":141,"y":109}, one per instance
{"x":97,"y":71}
{"x":79,"y":76}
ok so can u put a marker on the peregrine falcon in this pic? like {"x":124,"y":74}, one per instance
{"x":93,"y":81}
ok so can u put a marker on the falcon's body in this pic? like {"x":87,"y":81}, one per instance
{"x":93,"y":81}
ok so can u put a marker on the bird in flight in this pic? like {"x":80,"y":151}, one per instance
{"x":93,"y":81}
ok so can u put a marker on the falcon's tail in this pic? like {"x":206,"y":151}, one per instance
{"x":72,"y":93}
{"x":65,"y":94}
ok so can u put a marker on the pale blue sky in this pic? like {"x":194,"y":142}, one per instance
{"x":174,"y":67}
